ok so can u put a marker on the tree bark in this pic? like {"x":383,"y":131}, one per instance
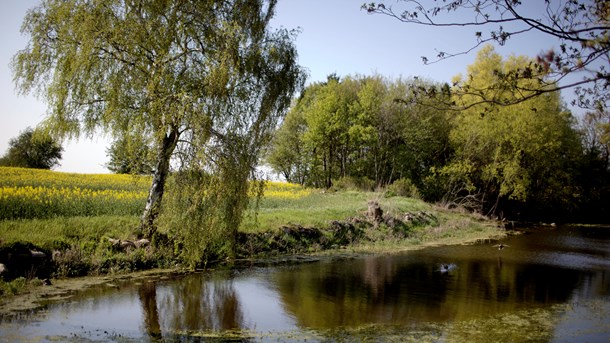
{"x":155,"y":194}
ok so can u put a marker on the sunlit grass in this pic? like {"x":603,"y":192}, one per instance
{"x":318,"y":208}
{"x":51,"y":209}
{"x":314,"y":209}
{"x":51,"y":233}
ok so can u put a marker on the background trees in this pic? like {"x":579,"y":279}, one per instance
{"x":504,"y":155}
{"x":354,"y":128}
{"x":131,"y":155}
{"x":560,"y":166}
{"x":526,"y":160}
{"x":176,"y":72}
{"x":32,"y":149}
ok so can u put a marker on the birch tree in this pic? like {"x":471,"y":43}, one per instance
{"x":160,"y":68}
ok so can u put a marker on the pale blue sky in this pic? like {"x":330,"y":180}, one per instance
{"x":336,"y":37}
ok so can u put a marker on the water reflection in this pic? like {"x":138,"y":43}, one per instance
{"x":537,"y":270}
{"x":147,"y":293}
{"x":427,"y":288}
{"x":197,"y":303}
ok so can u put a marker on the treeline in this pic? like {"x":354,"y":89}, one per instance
{"x":530,"y":160}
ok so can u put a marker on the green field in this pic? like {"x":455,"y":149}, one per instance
{"x":77,"y":214}
{"x":51,"y":209}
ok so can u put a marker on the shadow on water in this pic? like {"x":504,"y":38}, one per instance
{"x":536,"y":288}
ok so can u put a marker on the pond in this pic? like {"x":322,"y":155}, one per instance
{"x":549,"y":284}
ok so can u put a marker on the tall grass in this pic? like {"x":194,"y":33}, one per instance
{"x":60,"y":232}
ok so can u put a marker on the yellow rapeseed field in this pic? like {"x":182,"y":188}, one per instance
{"x":285,"y":190}
{"x":34,"y":193}
{"x":19,"y":177}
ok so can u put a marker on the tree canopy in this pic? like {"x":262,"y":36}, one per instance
{"x":581,"y":28}
{"x":513,"y":153}
{"x":174,"y":71}
{"x":354,"y":127}
{"x":32,"y":149}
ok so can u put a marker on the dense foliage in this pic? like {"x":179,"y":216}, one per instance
{"x":523,"y":153}
{"x":527,"y":160}
{"x":32,"y":149}
{"x":355,"y":128}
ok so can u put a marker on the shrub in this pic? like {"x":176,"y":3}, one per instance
{"x":402,"y":187}
{"x":12,"y":287}
{"x":352,"y":183}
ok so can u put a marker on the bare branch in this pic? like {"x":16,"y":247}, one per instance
{"x":583,"y":30}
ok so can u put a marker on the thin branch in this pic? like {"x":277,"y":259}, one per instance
{"x":452,"y":106}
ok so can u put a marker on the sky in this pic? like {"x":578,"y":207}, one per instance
{"x":336,"y":36}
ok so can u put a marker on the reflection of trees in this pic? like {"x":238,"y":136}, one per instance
{"x":147,"y":293}
{"x":392,"y":290}
{"x":198,"y":304}
{"x":378,"y":273}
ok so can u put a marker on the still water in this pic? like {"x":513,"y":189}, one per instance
{"x":548,"y":284}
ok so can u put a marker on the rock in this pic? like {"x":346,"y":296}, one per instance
{"x":37,"y":254}
{"x":142,"y":243}
{"x":3,"y":269}
{"x":344,"y":233}
{"x":26,"y":260}
{"x":126,"y":244}
{"x":390,"y":221}
{"x":374,"y":213}
{"x":56,"y":255}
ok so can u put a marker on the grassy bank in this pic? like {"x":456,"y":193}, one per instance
{"x":289,"y":220}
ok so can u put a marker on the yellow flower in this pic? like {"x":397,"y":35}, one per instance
{"x":285,"y":190}
{"x":30,"y":193}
